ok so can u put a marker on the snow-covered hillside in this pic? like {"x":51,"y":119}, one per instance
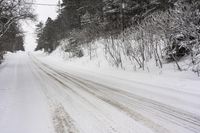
{"x":99,"y":59}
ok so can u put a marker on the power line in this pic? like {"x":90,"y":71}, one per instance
{"x":41,"y":4}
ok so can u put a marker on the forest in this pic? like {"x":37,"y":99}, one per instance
{"x":141,"y":30}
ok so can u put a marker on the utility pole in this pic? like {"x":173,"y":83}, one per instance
{"x":61,"y":30}
{"x":122,"y":14}
{"x":59,"y":6}
{"x":122,"y":18}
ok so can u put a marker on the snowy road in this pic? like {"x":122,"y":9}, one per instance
{"x":36,"y":96}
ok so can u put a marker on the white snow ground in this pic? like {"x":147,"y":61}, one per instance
{"x":40,"y":94}
{"x":23,"y":105}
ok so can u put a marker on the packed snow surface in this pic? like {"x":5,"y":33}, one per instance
{"x":44,"y":94}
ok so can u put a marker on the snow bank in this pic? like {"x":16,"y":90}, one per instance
{"x":100,"y":59}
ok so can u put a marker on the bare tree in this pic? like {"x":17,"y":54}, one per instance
{"x":12,"y":11}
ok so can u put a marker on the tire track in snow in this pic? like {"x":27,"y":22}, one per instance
{"x":131,"y":113}
{"x":179,"y":117}
{"x":58,"y":122}
{"x":165,"y":109}
{"x":171,"y":114}
{"x":62,"y":121}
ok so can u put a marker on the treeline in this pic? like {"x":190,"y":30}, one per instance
{"x":86,"y":20}
{"x":13,"y":39}
{"x":11,"y":34}
{"x":134,"y":30}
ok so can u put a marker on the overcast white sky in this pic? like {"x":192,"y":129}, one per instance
{"x":43,"y":13}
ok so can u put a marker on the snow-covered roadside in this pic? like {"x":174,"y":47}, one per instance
{"x":177,"y":89}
